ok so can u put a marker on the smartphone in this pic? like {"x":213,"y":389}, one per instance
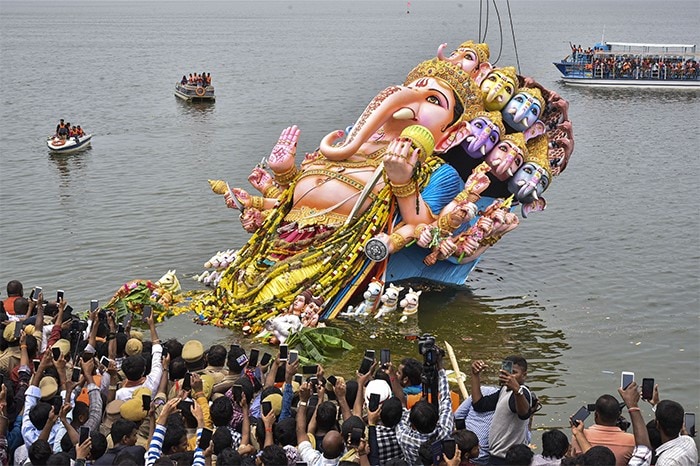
{"x":460,"y":423}
{"x":187,"y":382}
{"x":94,"y":304}
{"x":120,"y":328}
{"x":84,"y":434}
{"x":234,"y":346}
{"x":185,"y":405}
{"x":265,"y":360}
{"x":384,"y":357}
{"x":689,"y":422}
{"x":18,"y":330}
{"x":253,"y":358}
{"x":284,"y":352}
{"x":449,"y":448}
{"x":356,"y":435}
{"x":57,"y":402}
{"x":127,"y":319}
{"x":104,"y":360}
{"x":626,"y":378}
{"x":507,"y":366}
{"x":164,"y":352}
{"x":313,"y":402}
{"x":75,"y":375}
{"x":146,"y":402}
{"x":36,"y":364}
{"x":365,"y":366}
{"x":580,"y":415}
{"x":332,"y":379}
{"x":56,"y":352}
{"x":313,"y":381}
{"x":266,"y":407}
{"x":298,"y":378}
{"x":59,"y":296}
{"x":373,"y":403}
{"x":205,"y":439}
{"x":647,"y":388}
{"x":147,"y":310}
{"x":280,"y":375}
{"x":35,"y":293}
{"x":309,"y":370}
{"x":293,"y":356}
{"x":369,"y":354}
{"x":237,"y":393}
{"x":436,"y":452}
{"x":242,"y":360}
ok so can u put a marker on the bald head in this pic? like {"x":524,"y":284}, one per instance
{"x":333,"y":445}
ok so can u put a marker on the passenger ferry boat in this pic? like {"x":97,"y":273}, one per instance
{"x":195,"y":93}
{"x":623,"y":64}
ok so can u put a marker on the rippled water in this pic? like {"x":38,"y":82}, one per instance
{"x":605,"y":280}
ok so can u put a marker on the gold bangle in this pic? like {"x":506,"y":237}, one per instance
{"x":445,"y":223}
{"x":462,"y":196}
{"x":257,"y":202}
{"x":287,"y":177}
{"x":403,"y":190}
{"x":490,"y":241}
{"x":272,"y":191}
{"x":397,"y":241}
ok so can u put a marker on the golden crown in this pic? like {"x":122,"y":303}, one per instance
{"x":495,"y":118}
{"x":508,"y":71}
{"x":455,"y":77}
{"x":519,"y":140}
{"x":537,"y":149}
{"x":536,"y":93}
{"x":481,"y":49}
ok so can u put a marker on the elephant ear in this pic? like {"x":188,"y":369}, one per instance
{"x":481,"y":72}
{"x":536,"y":206}
{"x":454,"y":137}
{"x":537,"y":129}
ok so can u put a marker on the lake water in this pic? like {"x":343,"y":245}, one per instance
{"x":605,"y":280}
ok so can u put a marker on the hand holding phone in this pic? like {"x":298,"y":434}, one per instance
{"x":265,"y":360}
{"x":626,"y":378}
{"x":205,"y":438}
{"x":266,"y":407}
{"x":356,"y":435}
{"x":284,"y":352}
{"x":75,"y":375}
{"x":310,"y":369}
{"x":253,"y":359}
{"x":59,"y":296}
{"x":332,"y":380}
{"x":237,"y":393}
{"x":187,"y":382}
{"x":293,"y":357}
{"x":385,"y":357}
{"x":35,"y":293}
{"x":689,"y":421}
{"x":146,"y":402}
{"x":56,"y":353}
{"x":365,"y":366}
{"x":94,"y":304}
{"x":580,"y":415}
{"x":147,"y":311}
{"x":373,"y":403}
{"x":507,"y":366}
{"x":449,"y":448}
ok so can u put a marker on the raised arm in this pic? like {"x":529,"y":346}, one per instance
{"x":304,"y":395}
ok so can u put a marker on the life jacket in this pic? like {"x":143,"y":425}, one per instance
{"x":413,"y":399}
{"x":9,"y":304}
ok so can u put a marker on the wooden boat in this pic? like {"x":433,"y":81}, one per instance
{"x":70,"y":145}
{"x":622,"y":64}
{"x":194,"y":93}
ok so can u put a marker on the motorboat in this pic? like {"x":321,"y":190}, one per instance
{"x":194,"y":92}
{"x":624,"y":64}
{"x":70,"y":145}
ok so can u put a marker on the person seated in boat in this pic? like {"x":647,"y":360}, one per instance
{"x":183,"y":81}
{"x":208,"y":79}
{"x":62,"y":130}
{"x":190,"y":80}
{"x":79,"y":131}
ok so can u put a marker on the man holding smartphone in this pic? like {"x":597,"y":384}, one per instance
{"x":511,"y":406}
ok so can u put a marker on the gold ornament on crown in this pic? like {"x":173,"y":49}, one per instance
{"x":517,"y":139}
{"x":482,"y":50}
{"x":509,"y":72}
{"x":494,"y":117}
{"x":537,"y":150}
{"x":456,"y":78}
{"x":536,"y":93}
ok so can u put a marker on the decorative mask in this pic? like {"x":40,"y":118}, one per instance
{"x":498,"y":87}
{"x":485,"y":131}
{"x":524,"y":109}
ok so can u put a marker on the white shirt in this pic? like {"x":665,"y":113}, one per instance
{"x":152,"y":381}
{"x":680,"y":451}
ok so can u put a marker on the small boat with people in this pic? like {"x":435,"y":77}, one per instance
{"x":624,"y":64}
{"x":195,"y":88}
{"x":69,"y":146}
{"x":68,"y":139}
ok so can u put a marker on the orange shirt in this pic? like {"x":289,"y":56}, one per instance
{"x":413,"y":399}
{"x":621,"y":443}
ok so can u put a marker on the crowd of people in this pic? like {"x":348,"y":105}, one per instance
{"x":66,"y":130}
{"x":100,"y":392}
{"x":195,"y":79}
{"x":626,"y":65}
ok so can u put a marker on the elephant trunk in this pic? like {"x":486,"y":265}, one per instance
{"x":493,"y":93}
{"x":502,"y":168}
{"x":478,"y":143}
{"x":377,"y":113}
{"x":520,"y":114}
{"x":528,"y":191}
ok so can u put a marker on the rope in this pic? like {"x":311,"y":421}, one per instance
{"x":500,"y":32}
{"x":515,"y":44}
{"x":481,"y":3}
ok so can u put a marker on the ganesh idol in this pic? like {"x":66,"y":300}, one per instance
{"x":313,"y":220}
